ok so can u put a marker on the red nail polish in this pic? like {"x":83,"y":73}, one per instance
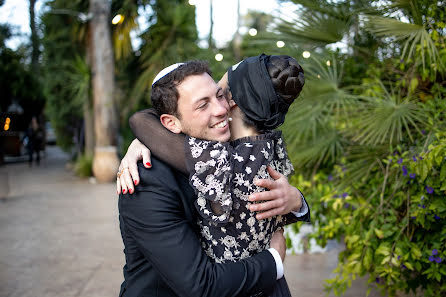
{"x":131,"y":191}
{"x":136,"y":182}
{"x":148,"y":164}
{"x":123,"y":191}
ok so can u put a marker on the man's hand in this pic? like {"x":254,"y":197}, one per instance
{"x":282,"y":198}
{"x":278,"y":243}
{"x":129,"y":170}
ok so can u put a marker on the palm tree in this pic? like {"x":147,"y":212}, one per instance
{"x":211,"y":44}
{"x":105,"y":162}
{"x":34,"y":38}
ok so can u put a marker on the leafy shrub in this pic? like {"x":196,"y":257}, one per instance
{"x":393,"y":225}
{"x":84,"y":166}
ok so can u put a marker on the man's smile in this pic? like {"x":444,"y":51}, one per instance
{"x":221,"y":124}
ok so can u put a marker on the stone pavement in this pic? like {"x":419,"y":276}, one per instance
{"x":59,"y":236}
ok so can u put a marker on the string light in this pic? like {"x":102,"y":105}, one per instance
{"x":280,"y":44}
{"x":119,"y":18}
{"x":7,"y":122}
{"x":252,"y":32}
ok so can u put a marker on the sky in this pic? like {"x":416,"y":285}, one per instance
{"x":16,"y":12}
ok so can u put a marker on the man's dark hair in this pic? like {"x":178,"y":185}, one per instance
{"x":165,"y":93}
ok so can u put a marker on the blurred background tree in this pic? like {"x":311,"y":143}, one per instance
{"x":15,"y":73}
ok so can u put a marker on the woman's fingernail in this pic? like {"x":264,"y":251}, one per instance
{"x":131,"y":191}
{"x":123,"y":191}
{"x":136,"y":182}
{"x":148,"y":164}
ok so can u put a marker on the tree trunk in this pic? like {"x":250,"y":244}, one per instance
{"x":88,"y":128}
{"x":211,"y":29}
{"x":105,"y":162}
{"x":237,"y":42}
{"x":87,"y":106}
{"x":34,"y":38}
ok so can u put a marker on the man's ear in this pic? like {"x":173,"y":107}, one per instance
{"x":171,"y":123}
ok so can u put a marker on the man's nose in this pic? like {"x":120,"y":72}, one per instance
{"x":221,"y":107}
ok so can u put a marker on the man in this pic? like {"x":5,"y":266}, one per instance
{"x":158,"y":223}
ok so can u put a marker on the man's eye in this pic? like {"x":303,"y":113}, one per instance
{"x":203,"y":105}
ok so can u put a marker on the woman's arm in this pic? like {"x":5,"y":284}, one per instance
{"x":165,"y":145}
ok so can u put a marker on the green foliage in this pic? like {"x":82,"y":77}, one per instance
{"x":386,"y":117}
{"x":14,"y":75}
{"x":128,"y":9}
{"x":84,"y":166}
{"x":65,"y":77}
{"x":416,"y":37}
{"x":393,"y":222}
{"x":368,"y":139}
{"x":171,"y":38}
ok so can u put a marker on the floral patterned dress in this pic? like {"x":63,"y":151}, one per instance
{"x":223,"y":175}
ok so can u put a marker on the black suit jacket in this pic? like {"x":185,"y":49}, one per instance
{"x":162,"y":249}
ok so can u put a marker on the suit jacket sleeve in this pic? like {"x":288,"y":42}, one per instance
{"x":154,"y":216}
{"x":290,"y":218}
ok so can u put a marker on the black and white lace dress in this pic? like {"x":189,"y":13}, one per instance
{"x":223,"y":175}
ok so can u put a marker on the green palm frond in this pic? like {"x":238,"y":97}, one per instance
{"x":170,"y":40}
{"x":78,"y":79}
{"x":323,"y":76}
{"x":311,"y":126}
{"x":121,"y":36}
{"x":304,"y":121}
{"x":337,"y":9}
{"x":325,"y":149}
{"x":322,"y":99}
{"x":314,"y":28}
{"x":386,"y":119}
{"x":410,"y":8}
{"x":415,"y":37}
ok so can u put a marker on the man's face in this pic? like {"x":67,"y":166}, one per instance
{"x":203,"y":108}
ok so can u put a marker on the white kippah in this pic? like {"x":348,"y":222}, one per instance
{"x":166,"y":71}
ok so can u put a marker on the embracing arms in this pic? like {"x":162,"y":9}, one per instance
{"x":169,"y":147}
{"x":156,"y":225}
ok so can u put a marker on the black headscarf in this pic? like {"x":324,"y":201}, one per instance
{"x":253,"y":91}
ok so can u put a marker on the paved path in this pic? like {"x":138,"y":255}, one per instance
{"x":59,"y":236}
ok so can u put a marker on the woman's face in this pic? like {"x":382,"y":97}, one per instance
{"x":234,"y":111}
{"x":224,"y":84}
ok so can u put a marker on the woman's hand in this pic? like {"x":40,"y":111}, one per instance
{"x":128,"y":170}
{"x":281,"y":199}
